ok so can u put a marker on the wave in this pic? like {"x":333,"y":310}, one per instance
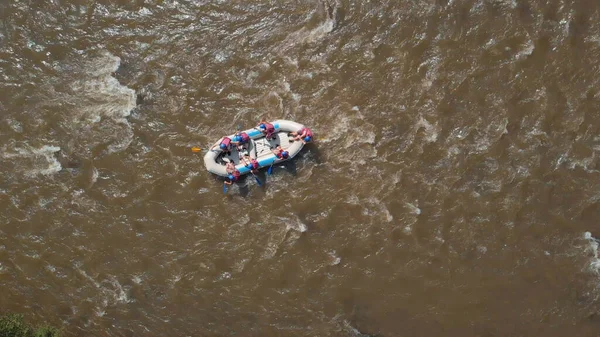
{"x":32,"y":161}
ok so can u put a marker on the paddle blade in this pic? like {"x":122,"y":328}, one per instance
{"x":196,"y":149}
{"x":270,"y":170}
{"x":224,"y":188}
{"x":257,"y":181}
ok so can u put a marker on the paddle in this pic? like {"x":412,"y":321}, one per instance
{"x":270,"y":170}
{"x":196,"y":149}
{"x":224,"y":188}
{"x":257,"y":180}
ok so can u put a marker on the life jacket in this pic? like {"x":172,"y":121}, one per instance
{"x":236,"y":175}
{"x":282,"y":154}
{"x":269,"y":127}
{"x":245,"y":138}
{"x":308,"y":132}
{"x":253,"y":165}
{"x":226,"y":141}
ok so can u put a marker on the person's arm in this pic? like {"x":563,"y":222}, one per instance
{"x":227,"y":182}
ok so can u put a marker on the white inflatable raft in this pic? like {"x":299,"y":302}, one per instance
{"x":258,"y":147}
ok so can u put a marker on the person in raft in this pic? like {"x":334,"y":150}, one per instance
{"x":232,"y":174}
{"x":240,"y":139}
{"x":266,"y":128}
{"x":280,"y":153}
{"x":224,"y":145}
{"x":251,"y":163}
{"x":304,"y":134}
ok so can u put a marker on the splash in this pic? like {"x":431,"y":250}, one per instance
{"x":594,"y":265}
{"x":431,"y":131}
{"x":33,"y":161}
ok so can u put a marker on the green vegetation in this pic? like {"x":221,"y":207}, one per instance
{"x":12,"y":325}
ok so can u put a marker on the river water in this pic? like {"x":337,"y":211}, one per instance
{"x":453,"y":189}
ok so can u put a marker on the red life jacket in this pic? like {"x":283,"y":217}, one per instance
{"x":308,"y":132}
{"x":281,"y":154}
{"x":254,"y":164}
{"x":245,"y":138}
{"x":236,"y":175}
{"x":226,"y":141}
{"x":270,"y":127}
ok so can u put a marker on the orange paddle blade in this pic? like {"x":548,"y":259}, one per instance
{"x":196,"y":149}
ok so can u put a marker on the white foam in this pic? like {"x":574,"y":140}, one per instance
{"x":431,"y":131}
{"x":88,"y":277}
{"x":414,"y":209}
{"x":527,"y":49}
{"x":94,"y":176}
{"x":98,"y":96}
{"x":377,"y":209}
{"x":225,"y":276}
{"x":594,"y":265}
{"x":239,"y":265}
{"x":335,"y":260}
{"x":294,"y":224}
{"x":48,"y":152}
{"x":137,"y":279}
{"x":120,"y":296}
{"x":15,"y":125}
{"x":305,"y":35}
{"x":42,"y":161}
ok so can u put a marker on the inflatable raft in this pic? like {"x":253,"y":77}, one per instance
{"x":258,"y":147}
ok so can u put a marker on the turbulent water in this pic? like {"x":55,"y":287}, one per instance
{"x":453,"y":189}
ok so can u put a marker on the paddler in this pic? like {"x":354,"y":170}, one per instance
{"x":251,"y":163}
{"x":240,"y":139}
{"x":280,"y":153}
{"x":232,"y":174}
{"x":224,"y":145}
{"x":266,"y":128}
{"x":304,"y":134}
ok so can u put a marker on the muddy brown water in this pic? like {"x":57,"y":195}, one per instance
{"x":453,"y":189}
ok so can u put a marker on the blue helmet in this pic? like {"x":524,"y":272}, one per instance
{"x":307,"y":139}
{"x":231,"y":177}
{"x":285,"y":154}
{"x":237,"y":138}
{"x":223,"y":146}
{"x":262,"y":126}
